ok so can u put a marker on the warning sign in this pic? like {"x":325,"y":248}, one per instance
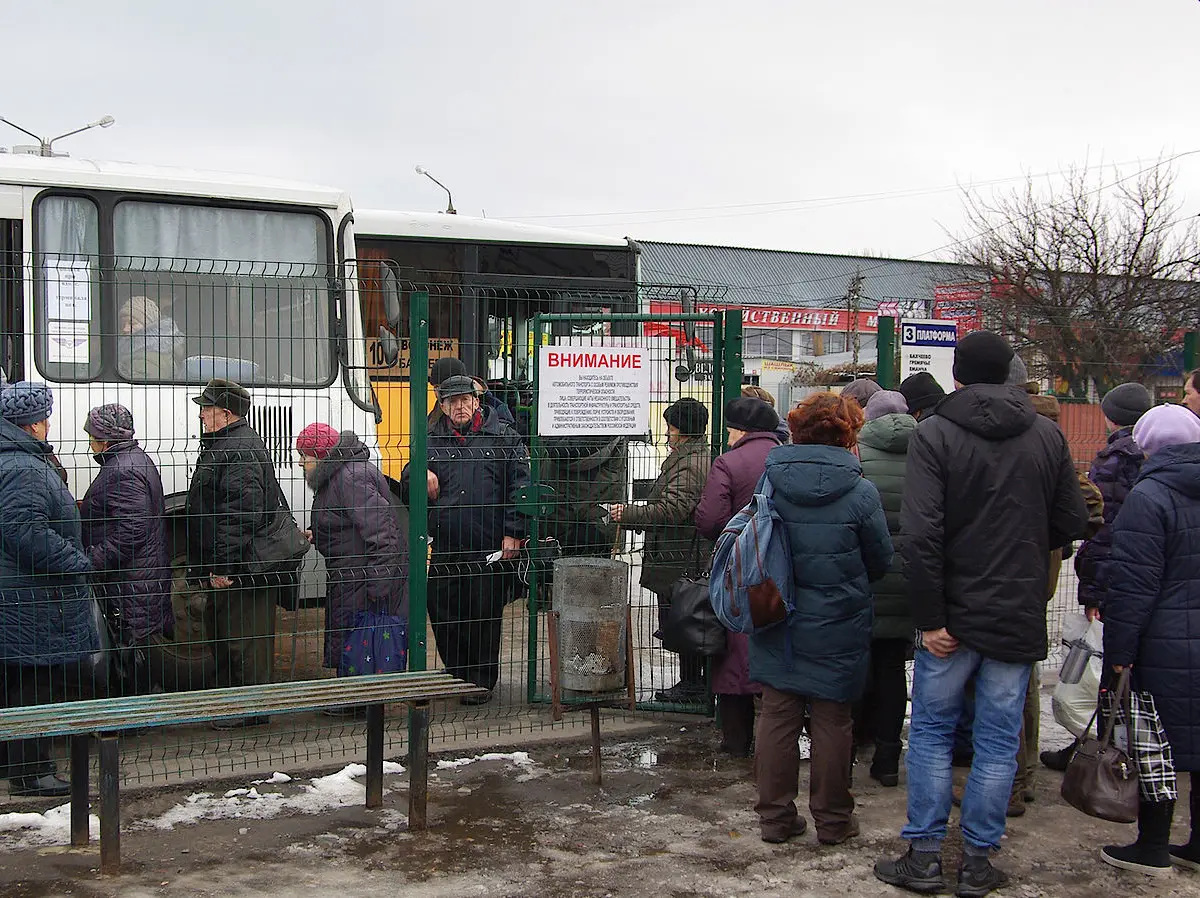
{"x":929,"y":346}
{"x":601,"y":390}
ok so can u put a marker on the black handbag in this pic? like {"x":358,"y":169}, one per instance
{"x":1102,"y":780}
{"x":280,"y":547}
{"x":692,"y":627}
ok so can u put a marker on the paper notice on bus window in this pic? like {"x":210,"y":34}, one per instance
{"x":67,"y":342}
{"x":68,"y":290}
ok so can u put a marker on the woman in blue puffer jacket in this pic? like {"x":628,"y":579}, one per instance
{"x":819,"y":657}
{"x":1152,"y":618}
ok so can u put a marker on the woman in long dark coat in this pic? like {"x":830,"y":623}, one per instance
{"x":354,"y":527}
{"x":1152,"y":618}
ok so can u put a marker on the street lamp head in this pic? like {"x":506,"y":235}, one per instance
{"x":420,"y":170}
{"x":106,"y":122}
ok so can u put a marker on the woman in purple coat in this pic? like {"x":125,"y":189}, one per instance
{"x":354,"y":527}
{"x":730,"y":486}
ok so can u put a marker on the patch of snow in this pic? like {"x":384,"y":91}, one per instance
{"x":517,"y":758}
{"x":24,"y":830}
{"x":276,"y":779}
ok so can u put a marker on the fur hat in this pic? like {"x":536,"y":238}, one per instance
{"x":26,"y":402}
{"x":1125,"y":403}
{"x":750,"y":415}
{"x":688,"y":415}
{"x":982,"y":357}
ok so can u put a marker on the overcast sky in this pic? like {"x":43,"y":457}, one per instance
{"x":557,"y":112}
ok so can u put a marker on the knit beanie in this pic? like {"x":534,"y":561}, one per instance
{"x":982,"y":357}
{"x":1018,"y":374}
{"x":861,"y":390}
{"x":688,"y":415}
{"x":445,"y":367}
{"x":751,"y":415}
{"x":921,"y":391}
{"x":1164,"y":426}
{"x":886,"y":402}
{"x":316,"y":440}
{"x":111,"y":423}
{"x":26,"y":402}
{"x":1125,"y":403}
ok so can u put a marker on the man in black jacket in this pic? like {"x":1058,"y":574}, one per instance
{"x":227,"y":506}
{"x":477,"y":465}
{"x":990,"y":491}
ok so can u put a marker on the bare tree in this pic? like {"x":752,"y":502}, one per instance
{"x":1098,"y":279}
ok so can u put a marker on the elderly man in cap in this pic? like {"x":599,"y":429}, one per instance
{"x":477,"y":466}
{"x":231,"y":493}
{"x":46,"y":623}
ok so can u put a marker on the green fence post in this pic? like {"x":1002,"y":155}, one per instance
{"x":418,"y":465}
{"x":1191,"y":342}
{"x":731,"y":355}
{"x":885,"y":366}
{"x":719,"y":437}
{"x":535,"y":482}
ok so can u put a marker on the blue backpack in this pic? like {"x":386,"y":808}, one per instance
{"x":751,"y":583}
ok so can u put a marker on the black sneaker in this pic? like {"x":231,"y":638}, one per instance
{"x":1186,"y":856}
{"x":917,"y":871}
{"x":1058,"y":760}
{"x":1138,"y":859}
{"x":977,"y":877}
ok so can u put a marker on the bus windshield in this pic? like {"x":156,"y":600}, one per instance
{"x":193,"y":292}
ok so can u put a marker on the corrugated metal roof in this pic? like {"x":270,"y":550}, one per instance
{"x":761,"y":277}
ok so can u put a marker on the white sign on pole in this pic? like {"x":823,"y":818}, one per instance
{"x":929,"y":346}
{"x":597,"y":390}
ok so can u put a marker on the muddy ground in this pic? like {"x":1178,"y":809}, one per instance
{"x":672,"y":819}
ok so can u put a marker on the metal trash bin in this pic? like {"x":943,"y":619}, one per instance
{"x":591,"y":600}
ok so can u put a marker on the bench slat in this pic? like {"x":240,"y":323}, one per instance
{"x":200,"y":706}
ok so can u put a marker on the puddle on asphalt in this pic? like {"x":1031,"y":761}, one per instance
{"x":648,"y":758}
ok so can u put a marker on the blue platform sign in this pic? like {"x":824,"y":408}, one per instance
{"x":929,"y":346}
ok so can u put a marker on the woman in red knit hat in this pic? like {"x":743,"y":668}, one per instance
{"x":355,"y":529}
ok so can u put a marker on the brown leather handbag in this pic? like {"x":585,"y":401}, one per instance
{"x":1102,"y":780}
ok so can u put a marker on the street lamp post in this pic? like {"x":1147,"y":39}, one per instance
{"x":450,"y":210}
{"x":47,"y":146}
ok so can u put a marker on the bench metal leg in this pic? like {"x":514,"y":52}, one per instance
{"x":418,"y":766}
{"x":80,"y":747}
{"x":110,"y":806}
{"x":374,"y":756}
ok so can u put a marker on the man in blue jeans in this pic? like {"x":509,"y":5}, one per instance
{"x":990,"y":490}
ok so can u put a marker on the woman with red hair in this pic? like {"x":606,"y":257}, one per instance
{"x":818,"y":659}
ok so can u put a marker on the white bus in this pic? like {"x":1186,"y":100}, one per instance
{"x":136,"y":284}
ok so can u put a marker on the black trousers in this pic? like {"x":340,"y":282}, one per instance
{"x":879,"y":717}
{"x":25,"y":686}
{"x":466,"y":608}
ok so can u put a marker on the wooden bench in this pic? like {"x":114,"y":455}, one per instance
{"x":107,"y":717}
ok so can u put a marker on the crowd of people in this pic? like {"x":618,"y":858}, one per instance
{"x":925,"y":527}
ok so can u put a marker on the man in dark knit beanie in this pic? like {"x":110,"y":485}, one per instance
{"x":982,"y":357}
{"x":922,"y":392}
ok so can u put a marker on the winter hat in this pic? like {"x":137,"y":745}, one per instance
{"x":886,"y":402}
{"x":26,"y":402}
{"x":689,"y":415}
{"x":1125,"y":403}
{"x":921,"y":391}
{"x":982,"y":357}
{"x":1164,"y":426}
{"x":226,"y":394}
{"x":112,"y":423}
{"x":456,"y":385}
{"x":445,"y":367}
{"x":1018,"y":374}
{"x":1046,"y":406}
{"x":316,"y":440}
{"x":861,"y":390}
{"x":751,"y":415}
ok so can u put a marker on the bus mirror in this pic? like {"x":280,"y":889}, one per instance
{"x":390,"y":347}
{"x":391,"y":299}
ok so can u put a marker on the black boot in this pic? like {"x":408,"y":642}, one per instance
{"x":1058,"y":760}
{"x":885,"y":766}
{"x":1188,"y":855}
{"x":691,"y":687}
{"x":1150,"y":854}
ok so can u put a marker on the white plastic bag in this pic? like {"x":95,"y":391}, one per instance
{"x":1075,"y":703}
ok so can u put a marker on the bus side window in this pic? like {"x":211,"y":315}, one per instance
{"x":12,"y":306}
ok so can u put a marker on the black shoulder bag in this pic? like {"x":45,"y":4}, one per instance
{"x":279,"y":547}
{"x":692,"y":627}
